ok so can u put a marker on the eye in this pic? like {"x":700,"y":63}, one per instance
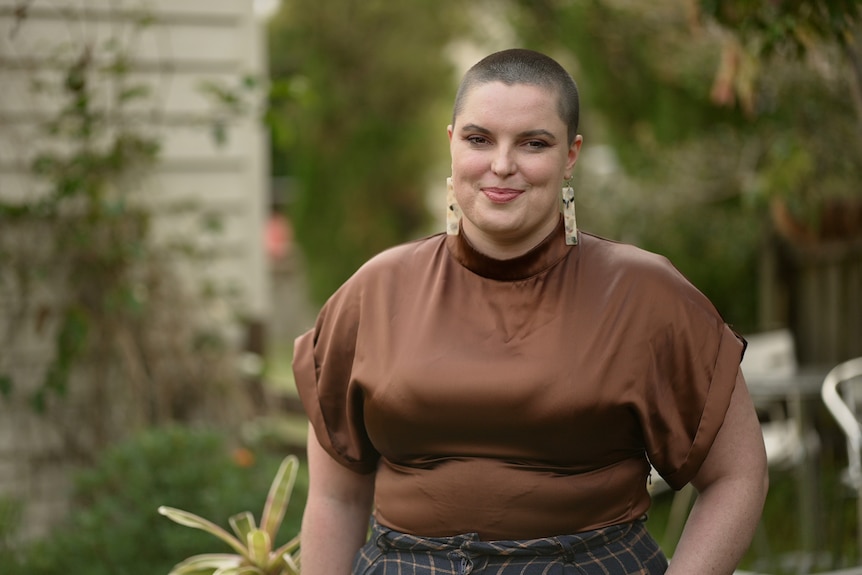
{"x":477,"y":140}
{"x":536,"y":144}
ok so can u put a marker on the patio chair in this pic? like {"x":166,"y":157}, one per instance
{"x":842,"y":395}
{"x":768,"y":365}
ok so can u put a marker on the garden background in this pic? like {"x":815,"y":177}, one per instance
{"x":182,"y":184}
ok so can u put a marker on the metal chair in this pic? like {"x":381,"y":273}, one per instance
{"x":769,"y":363}
{"x":842,"y":398}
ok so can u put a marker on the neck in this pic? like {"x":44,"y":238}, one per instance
{"x":502,"y":246}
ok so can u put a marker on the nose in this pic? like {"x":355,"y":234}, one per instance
{"x":503,"y":163}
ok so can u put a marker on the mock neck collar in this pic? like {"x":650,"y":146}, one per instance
{"x":541,"y":257}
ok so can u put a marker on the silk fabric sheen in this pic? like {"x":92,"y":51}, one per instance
{"x":521,"y":398}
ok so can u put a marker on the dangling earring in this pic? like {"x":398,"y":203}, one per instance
{"x":453,"y":210}
{"x":569,"y":219}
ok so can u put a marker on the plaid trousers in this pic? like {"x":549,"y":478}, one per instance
{"x":617,"y":550}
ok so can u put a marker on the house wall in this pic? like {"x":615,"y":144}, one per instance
{"x":187,"y":42}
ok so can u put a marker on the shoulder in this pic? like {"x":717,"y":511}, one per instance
{"x":393,"y":265}
{"x":627,"y":261}
{"x":400,"y":262}
{"x":650,"y":285}
{"x":645,"y":283}
{"x":377,"y":280}
{"x":409,"y":254}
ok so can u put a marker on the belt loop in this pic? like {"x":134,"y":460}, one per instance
{"x":568,"y":552}
{"x":382,"y":542}
{"x":380,"y":536}
{"x":571,"y":556}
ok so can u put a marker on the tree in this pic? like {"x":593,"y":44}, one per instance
{"x":706,"y":135}
{"x":788,"y":24}
{"x":358,"y":87}
{"x":800,"y":171}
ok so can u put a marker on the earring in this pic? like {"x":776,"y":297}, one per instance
{"x":568,"y":194}
{"x":453,"y":210}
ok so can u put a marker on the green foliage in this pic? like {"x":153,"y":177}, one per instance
{"x":707,"y":138}
{"x":114,"y":527}
{"x":715,"y":247}
{"x":638,"y":66}
{"x":794,"y":25}
{"x":253,"y":545}
{"x":10,"y":522}
{"x":645,"y":82}
{"x":229,"y":102}
{"x":87,"y":157}
{"x":5,"y":385}
{"x":807,"y":89}
{"x":87,"y":161}
{"x":811,"y":154}
{"x":359,"y":85}
{"x":79,"y":264}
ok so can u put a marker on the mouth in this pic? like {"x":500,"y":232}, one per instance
{"x":501,"y":195}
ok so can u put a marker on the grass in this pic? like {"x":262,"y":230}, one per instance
{"x":278,"y":370}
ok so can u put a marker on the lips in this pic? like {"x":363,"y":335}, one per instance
{"x":501,"y":195}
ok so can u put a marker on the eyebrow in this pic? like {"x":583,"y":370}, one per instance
{"x":525,"y":134}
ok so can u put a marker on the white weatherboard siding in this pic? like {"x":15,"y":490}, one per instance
{"x":187,"y":42}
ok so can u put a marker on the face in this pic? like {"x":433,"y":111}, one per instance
{"x":510,"y":155}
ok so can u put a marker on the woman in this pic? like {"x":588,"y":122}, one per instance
{"x":497,"y":394}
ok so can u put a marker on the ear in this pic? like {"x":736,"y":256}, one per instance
{"x":449,"y":131}
{"x":574,"y":151}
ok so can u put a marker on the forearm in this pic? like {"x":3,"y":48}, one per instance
{"x":720,"y":528}
{"x":332,"y":532}
{"x":335,"y":520}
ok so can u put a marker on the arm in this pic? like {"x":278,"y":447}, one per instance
{"x":731,"y":485}
{"x":335,"y":522}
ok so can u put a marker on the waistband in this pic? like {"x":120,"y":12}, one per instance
{"x":568,"y":545}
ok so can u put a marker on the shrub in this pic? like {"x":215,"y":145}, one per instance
{"x":10,"y":517}
{"x":114,"y":528}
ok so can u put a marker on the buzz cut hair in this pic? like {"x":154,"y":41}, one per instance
{"x":522,"y":66}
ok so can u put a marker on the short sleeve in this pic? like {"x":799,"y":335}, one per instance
{"x":695,"y":358}
{"x":323,"y":363}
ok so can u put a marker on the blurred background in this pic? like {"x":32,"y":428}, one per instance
{"x":184,"y":182}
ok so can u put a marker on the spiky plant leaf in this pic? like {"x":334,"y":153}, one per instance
{"x":285,"y":550}
{"x":279,"y":496}
{"x":195,"y":522}
{"x":291,"y":564}
{"x":259,"y":546}
{"x":205,"y":571}
{"x":243,"y":570}
{"x":242,"y":524}
{"x":206,"y":564}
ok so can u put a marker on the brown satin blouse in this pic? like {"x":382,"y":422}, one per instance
{"x":519,"y":398}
